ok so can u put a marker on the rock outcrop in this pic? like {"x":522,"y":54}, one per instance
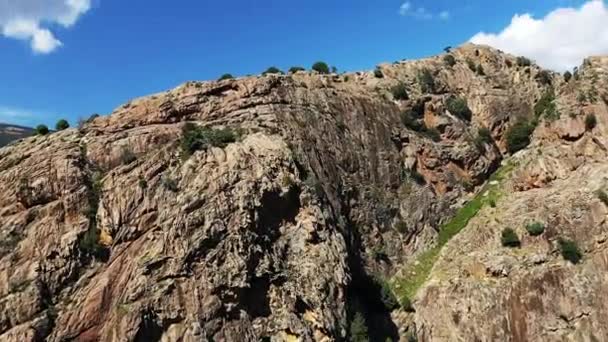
{"x":110,"y":232}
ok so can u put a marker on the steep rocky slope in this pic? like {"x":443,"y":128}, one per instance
{"x":336,"y":184}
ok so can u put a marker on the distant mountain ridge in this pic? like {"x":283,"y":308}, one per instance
{"x":10,"y":133}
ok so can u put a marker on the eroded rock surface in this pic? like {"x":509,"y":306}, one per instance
{"x":109,"y":233}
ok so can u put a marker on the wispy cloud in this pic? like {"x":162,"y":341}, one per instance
{"x":19,"y":116}
{"x":408,"y":9}
{"x":558,"y":41}
{"x":26,"y":20}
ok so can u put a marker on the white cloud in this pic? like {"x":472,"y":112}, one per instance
{"x":444,"y":15}
{"x":16,"y":116}
{"x":26,"y":20}
{"x":408,"y":9}
{"x":558,"y":41}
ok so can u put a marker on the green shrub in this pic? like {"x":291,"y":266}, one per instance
{"x":334,"y":70}
{"x":590,"y":121}
{"x":321,"y":67}
{"x":378,"y":73}
{"x":601,"y":194}
{"x":196,"y":138}
{"x":358,"y":329}
{"x":426,"y":81}
{"x":400,"y":92}
{"x":523,"y":61}
{"x":567,"y":76}
{"x":509,"y":238}
{"x":480,"y":70}
{"x":492,"y":203}
{"x":449,"y":60}
{"x":544,"y":77}
{"x":127,"y":156}
{"x":89,"y":243}
{"x":409,"y":120}
{"x":544,"y":103}
{"x":406,"y":303}
{"x":535,"y":228}
{"x":295,"y":69}
{"x":570,"y":250}
{"x":386,"y":294}
{"x":518,"y":136}
{"x":225,"y":77}
{"x":143,"y":184}
{"x":484,"y":135}
{"x":170,"y":184}
{"x":401,"y":226}
{"x":459,"y":107}
{"x":41,"y":130}
{"x":272,"y":70}
{"x":432,"y":133}
{"x":62,"y":124}
{"x":471,"y":65}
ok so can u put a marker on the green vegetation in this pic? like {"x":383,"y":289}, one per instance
{"x":409,"y":120}
{"x":570,"y":250}
{"x":535,"y":228}
{"x":62,"y":124}
{"x":418,"y":272}
{"x":225,"y":77}
{"x":272,"y":70}
{"x":321,"y":67}
{"x":544,"y":77}
{"x":41,"y":130}
{"x":508,"y":238}
{"x":601,"y":194}
{"x":196,"y":138}
{"x":401,"y":226}
{"x":518,"y":136}
{"x":127,"y":156}
{"x":426,"y":81}
{"x":400,"y":92}
{"x":484,"y":136}
{"x":567,"y":76}
{"x":89,"y":243}
{"x":480,"y":70}
{"x":295,"y":69}
{"x":170,"y":184}
{"x":358,"y":329}
{"x":334,"y":70}
{"x":523,"y":61}
{"x":449,"y":60}
{"x":590,"y":121}
{"x":143,"y":184}
{"x":459,"y":107}
{"x":386,"y":294}
{"x":546,"y":105}
{"x":378,"y":73}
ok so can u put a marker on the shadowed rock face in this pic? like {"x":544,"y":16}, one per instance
{"x":107,"y":233}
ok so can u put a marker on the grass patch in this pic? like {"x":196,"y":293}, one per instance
{"x":418,"y":272}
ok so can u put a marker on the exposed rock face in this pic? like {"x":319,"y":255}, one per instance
{"x":108,"y":233}
{"x":493,"y":293}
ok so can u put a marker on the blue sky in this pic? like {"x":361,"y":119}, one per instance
{"x":72,"y":62}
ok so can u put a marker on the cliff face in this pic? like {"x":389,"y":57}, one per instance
{"x":336,"y":184}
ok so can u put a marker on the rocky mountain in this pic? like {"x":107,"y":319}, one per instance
{"x":454,"y":198}
{"x":9,"y":133}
